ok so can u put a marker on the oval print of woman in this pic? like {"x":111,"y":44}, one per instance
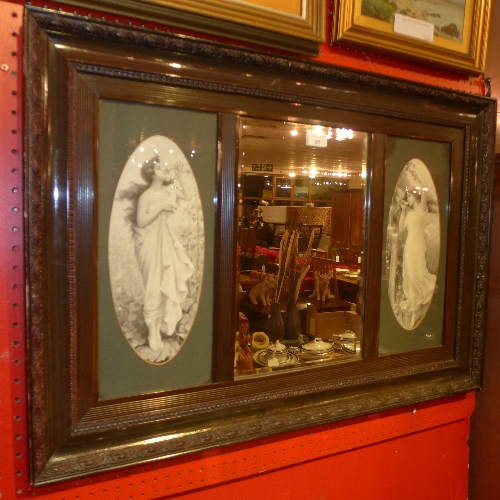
{"x":156,"y":249}
{"x":413,"y":244}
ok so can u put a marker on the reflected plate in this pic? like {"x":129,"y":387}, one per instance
{"x":347,"y":335}
{"x":260,"y":357}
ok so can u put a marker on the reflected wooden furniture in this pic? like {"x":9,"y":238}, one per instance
{"x":320,"y":254}
{"x":347,"y":225}
{"x":248,"y":239}
{"x":277,"y":230}
{"x":257,"y":313}
{"x":272,"y":268}
{"x":324,"y":266}
{"x":253,"y":220}
{"x":326,"y":324}
{"x":350,"y":289}
{"x":247,"y":282}
{"x":305,"y":231}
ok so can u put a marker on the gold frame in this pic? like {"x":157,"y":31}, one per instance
{"x":350,"y":27}
{"x":238,"y":19}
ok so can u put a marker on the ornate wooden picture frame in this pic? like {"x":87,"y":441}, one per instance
{"x":453,"y":40}
{"x":79,"y":74}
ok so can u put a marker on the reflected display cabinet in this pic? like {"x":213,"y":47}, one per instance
{"x":347,"y":229}
{"x":148,"y":334}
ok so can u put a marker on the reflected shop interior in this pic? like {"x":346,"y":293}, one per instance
{"x":301,"y":218}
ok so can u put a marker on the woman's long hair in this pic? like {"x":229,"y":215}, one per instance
{"x":134,"y":191}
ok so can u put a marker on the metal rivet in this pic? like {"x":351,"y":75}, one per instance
{"x":4,"y":67}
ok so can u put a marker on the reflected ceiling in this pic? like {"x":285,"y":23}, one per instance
{"x":283,"y":145}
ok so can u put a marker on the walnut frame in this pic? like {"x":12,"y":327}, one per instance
{"x":74,"y":61}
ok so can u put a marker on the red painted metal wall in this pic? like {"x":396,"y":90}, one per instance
{"x":413,"y":453}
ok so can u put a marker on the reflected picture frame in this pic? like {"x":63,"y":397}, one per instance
{"x":459,"y":48}
{"x":297,"y":26}
{"x":79,"y":64}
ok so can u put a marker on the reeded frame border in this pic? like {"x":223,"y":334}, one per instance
{"x":350,"y":27}
{"x":71,"y":62}
{"x":240,"y":20}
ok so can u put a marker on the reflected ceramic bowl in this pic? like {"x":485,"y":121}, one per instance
{"x":316,"y":349}
{"x":277,"y":350}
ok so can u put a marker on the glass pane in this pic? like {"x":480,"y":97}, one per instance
{"x":322,"y":188}
{"x":301,"y":189}
{"x":299,"y":252}
{"x":283,"y":187}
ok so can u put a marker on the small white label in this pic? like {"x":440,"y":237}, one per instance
{"x":319,"y":141}
{"x":337,"y":258}
{"x":273,"y":362}
{"x":415,"y":28}
{"x":359,"y":259}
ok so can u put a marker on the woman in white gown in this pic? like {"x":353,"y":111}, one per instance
{"x":418,"y":282}
{"x":163,"y":263}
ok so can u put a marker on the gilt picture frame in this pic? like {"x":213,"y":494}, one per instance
{"x":93,"y":68}
{"x":450,"y":35}
{"x":298,"y":26}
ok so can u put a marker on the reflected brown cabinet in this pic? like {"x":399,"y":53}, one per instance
{"x":346,"y":237}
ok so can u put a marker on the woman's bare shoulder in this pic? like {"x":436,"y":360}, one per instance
{"x":146,"y":196}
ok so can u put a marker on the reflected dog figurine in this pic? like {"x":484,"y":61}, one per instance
{"x":263,"y":290}
{"x":322,"y":286}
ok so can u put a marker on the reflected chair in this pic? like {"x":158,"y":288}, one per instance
{"x":326,"y":325}
{"x":305,"y":231}
{"x":272,"y":268}
{"x":248,"y":239}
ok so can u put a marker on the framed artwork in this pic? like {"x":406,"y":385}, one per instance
{"x":450,"y":34}
{"x":145,"y":289}
{"x":150,"y":317}
{"x":416,"y":227}
{"x":296,"y":26}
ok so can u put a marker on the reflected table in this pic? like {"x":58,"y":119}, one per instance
{"x":348,"y":287}
{"x":257,"y":313}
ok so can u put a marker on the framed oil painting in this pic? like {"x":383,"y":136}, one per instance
{"x":177,"y":286}
{"x":451,"y":34}
{"x":293,"y":25}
